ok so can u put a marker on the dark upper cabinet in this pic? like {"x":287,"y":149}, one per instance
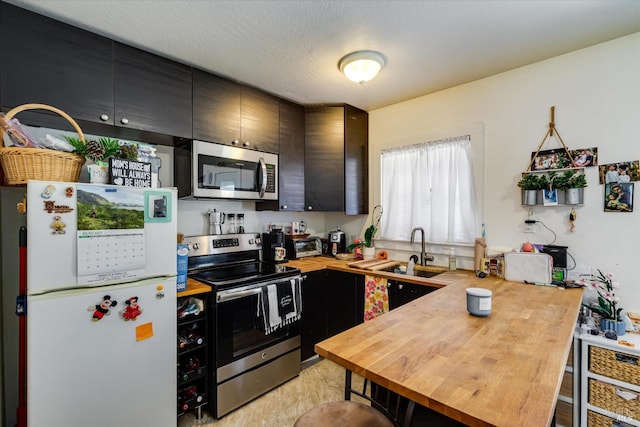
{"x":152,"y":93}
{"x":356,"y":154}
{"x":216,"y":108}
{"x":291,"y":160}
{"x":259,"y":120}
{"x":47,"y":62}
{"x":90,"y":77}
{"x":336,"y":144}
{"x":228,"y":113}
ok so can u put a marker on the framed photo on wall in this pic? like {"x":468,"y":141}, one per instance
{"x":622,"y":172}
{"x":550,"y":159}
{"x":618,"y":197}
{"x":585,"y":157}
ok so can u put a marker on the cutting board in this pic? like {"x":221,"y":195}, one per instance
{"x":373,"y":264}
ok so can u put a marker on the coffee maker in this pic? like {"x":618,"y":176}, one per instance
{"x":216,"y":219}
{"x":273,"y":250}
{"x":337,"y":242}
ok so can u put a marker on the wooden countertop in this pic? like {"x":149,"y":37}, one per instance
{"x":501,"y":370}
{"x":322,"y":262}
{"x":194,"y":287}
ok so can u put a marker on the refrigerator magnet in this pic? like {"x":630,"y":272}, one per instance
{"x":102,"y":309}
{"x":132,"y":309}
{"x":144,"y":331}
{"x":48,"y":191}
{"x":58,"y":225}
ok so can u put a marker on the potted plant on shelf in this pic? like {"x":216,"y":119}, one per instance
{"x":574,"y":192}
{"x":99,"y":151}
{"x":530,"y":184}
{"x":607,"y":302}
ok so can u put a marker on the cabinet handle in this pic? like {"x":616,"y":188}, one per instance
{"x":104,"y":117}
{"x":246,"y":144}
{"x":235,"y":142}
{"x":309,"y":208}
{"x":124,"y":120}
{"x":283,"y":207}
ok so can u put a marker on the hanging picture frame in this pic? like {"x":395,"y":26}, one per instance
{"x":622,"y":172}
{"x":618,"y":197}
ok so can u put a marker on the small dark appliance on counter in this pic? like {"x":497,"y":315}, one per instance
{"x":302,"y":247}
{"x":273,"y":247}
{"x":337,"y":242}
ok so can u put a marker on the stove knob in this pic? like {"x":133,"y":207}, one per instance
{"x":196,"y":246}
{"x":251,"y":241}
{"x":258,"y":241}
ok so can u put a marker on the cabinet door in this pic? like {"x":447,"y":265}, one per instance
{"x":313,"y":326}
{"x":346,"y":296}
{"x":259,"y":120}
{"x":291,"y":161}
{"x":324,"y":159}
{"x":356,"y":179}
{"x":45,"y":61}
{"x":216,"y":108}
{"x":152,"y":93}
{"x":401,"y":293}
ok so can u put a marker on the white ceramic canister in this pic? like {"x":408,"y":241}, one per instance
{"x":479,"y":301}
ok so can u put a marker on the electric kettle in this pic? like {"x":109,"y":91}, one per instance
{"x":216,"y":219}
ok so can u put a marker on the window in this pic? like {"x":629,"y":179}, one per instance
{"x":430,"y":185}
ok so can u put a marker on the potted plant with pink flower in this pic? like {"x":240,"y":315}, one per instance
{"x":607,"y":304}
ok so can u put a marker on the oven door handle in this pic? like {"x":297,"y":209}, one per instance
{"x":231,"y":295}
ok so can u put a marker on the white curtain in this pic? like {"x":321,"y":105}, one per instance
{"x":430,"y":185}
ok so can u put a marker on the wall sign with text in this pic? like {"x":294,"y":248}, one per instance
{"x":129,"y":173}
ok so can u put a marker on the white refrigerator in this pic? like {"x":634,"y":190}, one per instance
{"x":101,"y":305}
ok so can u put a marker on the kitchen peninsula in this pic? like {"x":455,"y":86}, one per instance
{"x":501,"y":370}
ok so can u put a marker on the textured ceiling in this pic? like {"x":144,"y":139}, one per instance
{"x":291,"y":48}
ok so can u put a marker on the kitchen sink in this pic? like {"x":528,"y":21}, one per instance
{"x":418,"y":271}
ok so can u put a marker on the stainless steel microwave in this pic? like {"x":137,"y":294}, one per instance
{"x":208,"y":170}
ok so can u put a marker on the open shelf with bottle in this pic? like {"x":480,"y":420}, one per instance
{"x":193,"y":354}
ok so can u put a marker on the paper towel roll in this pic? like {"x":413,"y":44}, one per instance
{"x":480,"y":252}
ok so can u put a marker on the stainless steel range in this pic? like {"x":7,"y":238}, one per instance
{"x":249,"y":358}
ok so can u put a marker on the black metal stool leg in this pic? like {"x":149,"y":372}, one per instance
{"x":347,"y":385}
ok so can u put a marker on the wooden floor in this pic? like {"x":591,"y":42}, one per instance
{"x":318,"y":383}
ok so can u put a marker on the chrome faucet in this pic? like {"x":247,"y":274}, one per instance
{"x":423,"y":253}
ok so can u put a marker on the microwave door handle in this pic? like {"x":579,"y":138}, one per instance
{"x":263,"y":177}
{"x":231,"y":295}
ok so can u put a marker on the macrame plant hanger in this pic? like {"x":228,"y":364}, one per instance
{"x":550,"y":132}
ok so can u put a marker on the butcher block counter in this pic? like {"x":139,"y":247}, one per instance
{"x":322,"y":262}
{"x":501,"y":370}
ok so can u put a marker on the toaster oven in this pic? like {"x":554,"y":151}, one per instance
{"x":302,"y":247}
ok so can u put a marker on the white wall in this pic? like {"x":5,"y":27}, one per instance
{"x":596,"y":92}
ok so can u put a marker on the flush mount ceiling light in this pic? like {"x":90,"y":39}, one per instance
{"x":362,"y":66}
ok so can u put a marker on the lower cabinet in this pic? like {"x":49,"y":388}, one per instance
{"x":401,"y":293}
{"x":610,"y":382}
{"x":332,"y":302}
{"x":193,"y":354}
{"x":568,"y":399}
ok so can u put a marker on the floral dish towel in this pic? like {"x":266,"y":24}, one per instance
{"x":376,"y":298}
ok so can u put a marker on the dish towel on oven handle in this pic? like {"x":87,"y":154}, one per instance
{"x":281,"y":304}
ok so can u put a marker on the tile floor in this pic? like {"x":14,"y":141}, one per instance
{"x":318,"y":383}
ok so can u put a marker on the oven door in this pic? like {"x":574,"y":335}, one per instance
{"x":222,"y":171}
{"x":240,"y":327}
